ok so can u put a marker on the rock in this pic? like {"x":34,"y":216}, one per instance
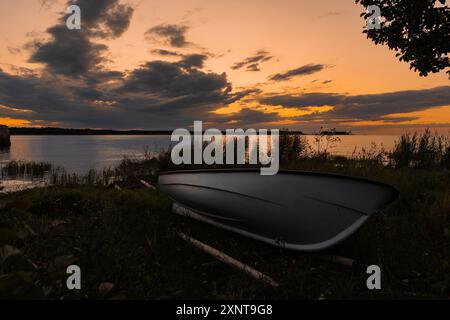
{"x":5,"y":138}
{"x":105,"y":287}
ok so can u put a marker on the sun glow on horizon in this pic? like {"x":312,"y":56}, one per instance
{"x":15,"y":122}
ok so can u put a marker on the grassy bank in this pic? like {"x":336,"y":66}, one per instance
{"x":126,"y":245}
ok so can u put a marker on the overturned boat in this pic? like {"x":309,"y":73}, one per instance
{"x":296,"y":210}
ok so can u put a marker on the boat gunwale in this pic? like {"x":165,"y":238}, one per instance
{"x":313,"y":247}
{"x":296,"y":172}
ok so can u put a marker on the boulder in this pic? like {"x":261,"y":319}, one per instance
{"x":5,"y":139}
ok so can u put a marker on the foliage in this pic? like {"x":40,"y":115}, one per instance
{"x":418,"y":30}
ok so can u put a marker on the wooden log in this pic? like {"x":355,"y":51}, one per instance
{"x":346,"y":262}
{"x":183,"y":211}
{"x":229,"y":260}
{"x":147,"y":185}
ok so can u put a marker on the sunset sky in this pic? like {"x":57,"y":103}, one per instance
{"x":144,"y":64}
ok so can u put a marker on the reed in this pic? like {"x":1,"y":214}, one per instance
{"x":426,"y":151}
{"x":25,"y":169}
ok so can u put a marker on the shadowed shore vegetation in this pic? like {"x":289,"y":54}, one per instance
{"x":123,"y":236}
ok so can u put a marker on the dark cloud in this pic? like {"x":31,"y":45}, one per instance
{"x":398,"y":120}
{"x":378,"y":105}
{"x":73,"y":52}
{"x":254,"y":67}
{"x":302,"y":71}
{"x":158,"y":106}
{"x":245,"y":118}
{"x":157,"y":95}
{"x":253,"y":63}
{"x":365,"y":107}
{"x":247,"y":92}
{"x":22,"y":71}
{"x":104,"y":18}
{"x":168,"y":95}
{"x":173,"y":80}
{"x":42,"y":99}
{"x":76,"y":90}
{"x":252,"y":117}
{"x":88,"y":93}
{"x":166,"y":53}
{"x":70,"y":52}
{"x":102,"y":76}
{"x":304,"y":100}
{"x":118,"y":21}
{"x":193,"y":61}
{"x":172,"y":34}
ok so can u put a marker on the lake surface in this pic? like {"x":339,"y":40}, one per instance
{"x":79,"y":154}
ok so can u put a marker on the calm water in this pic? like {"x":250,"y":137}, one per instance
{"x":81,"y":153}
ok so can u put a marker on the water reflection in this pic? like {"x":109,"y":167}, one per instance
{"x":81,"y":153}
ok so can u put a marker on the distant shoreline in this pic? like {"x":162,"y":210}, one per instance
{"x":95,"y":132}
{"x":82,"y":132}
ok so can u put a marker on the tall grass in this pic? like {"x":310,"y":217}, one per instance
{"x":15,"y":169}
{"x":425,"y":151}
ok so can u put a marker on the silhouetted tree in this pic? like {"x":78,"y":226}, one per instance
{"x":419,"y":30}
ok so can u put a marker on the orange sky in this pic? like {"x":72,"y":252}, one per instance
{"x":295,"y":32}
